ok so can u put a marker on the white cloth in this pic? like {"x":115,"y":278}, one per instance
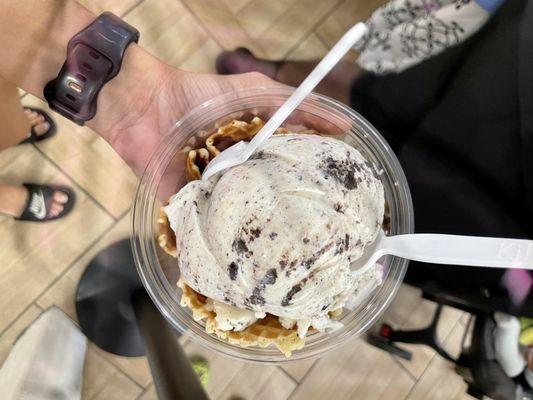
{"x":506,"y":346}
{"x":405,"y":32}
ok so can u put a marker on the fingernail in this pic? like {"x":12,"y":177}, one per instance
{"x":46,"y":125}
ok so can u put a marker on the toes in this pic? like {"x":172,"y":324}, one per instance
{"x":42,"y":128}
{"x":60,"y":197}
{"x":31,"y":114}
{"x":38,"y":119}
{"x":38,"y":122}
{"x":55,"y":210}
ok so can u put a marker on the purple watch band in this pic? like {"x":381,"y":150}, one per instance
{"x":94,"y":56}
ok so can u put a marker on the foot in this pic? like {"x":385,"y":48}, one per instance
{"x":241,"y":60}
{"x":39,"y":124}
{"x":337,"y":84}
{"x":13,"y":200}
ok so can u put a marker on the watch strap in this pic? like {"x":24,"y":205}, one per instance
{"x":94,"y":56}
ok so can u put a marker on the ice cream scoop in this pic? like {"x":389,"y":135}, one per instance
{"x":277,"y":234}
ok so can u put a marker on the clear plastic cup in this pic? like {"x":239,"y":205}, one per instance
{"x":164,"y":176}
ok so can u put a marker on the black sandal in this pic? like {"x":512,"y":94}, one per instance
{"x":40,"y":199}
{"x":33,"y":137}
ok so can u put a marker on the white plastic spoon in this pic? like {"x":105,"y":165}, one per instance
{"x":450,"y":249}
{"x":241,"y":151}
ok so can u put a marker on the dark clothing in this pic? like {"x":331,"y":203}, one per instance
{"x":461,"y":125}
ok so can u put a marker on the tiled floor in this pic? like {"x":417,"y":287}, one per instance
{"x":41,"y":264}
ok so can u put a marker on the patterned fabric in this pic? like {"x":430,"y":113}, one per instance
{"x":405,"y":32}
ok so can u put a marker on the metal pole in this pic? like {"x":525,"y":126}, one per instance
{"x":174,"y":378}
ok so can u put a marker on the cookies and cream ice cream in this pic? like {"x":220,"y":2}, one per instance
{"x":277,"y":234}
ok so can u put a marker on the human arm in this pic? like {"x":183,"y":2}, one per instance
{"x":135,"y":108}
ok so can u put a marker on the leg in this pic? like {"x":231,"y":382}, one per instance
{"x":15,"y":122}
{"x":336,"y":84}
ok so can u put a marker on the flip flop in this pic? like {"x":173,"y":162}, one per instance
{"x":33,"y":137}
{"x":40,"y":199}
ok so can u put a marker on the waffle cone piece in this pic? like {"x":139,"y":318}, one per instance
{"x":261,"y":333}
{"x":265,"y":331}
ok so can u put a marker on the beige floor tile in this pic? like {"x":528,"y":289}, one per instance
{"x":103,"y":381}
{"x":259,"y":15}
{"x":354,"y":371}
{"x":97,"y":372}
{"x":229,"y":377}
{"x":254,"y":383}
{"x":278,"y":387}
{"x":90,"y":161}
{"x":465,"y":318}
{"x":223,"y":25}
{"x":236,"y":5}
{"x":422,"y":355}
{"x":345,"y":15}
{"x":298,"y":369}
{"x":62,"y":294}
{"x":462,"y":395}
{"x":293,"y":26}
{"x":168,"y":30}
{"x":136,"y":368}
{"x":403,"y":306}
{"x":8,"y":338}
{"x":440,"y":381}
{"x":383,"y":382}
{"x":120,"y":230}
{"x":311,"y":48}
{"x":398,"y":387}
{"x":203,"y":59}
{"x":149,"y":394}
{"x":34,"y":254}
{"x":119,"y":387}
{"x":116,"y":7}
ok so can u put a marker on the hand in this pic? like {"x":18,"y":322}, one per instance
{"x":137,"y":110}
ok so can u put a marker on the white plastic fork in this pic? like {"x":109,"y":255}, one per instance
{"x":241,"y":151}
{"x":472,"y":251}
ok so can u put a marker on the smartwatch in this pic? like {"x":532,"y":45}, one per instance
{"x":94,"y":57}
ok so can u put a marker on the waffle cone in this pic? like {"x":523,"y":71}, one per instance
{"x":262,"y":333}
{"x":166,"y":237}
